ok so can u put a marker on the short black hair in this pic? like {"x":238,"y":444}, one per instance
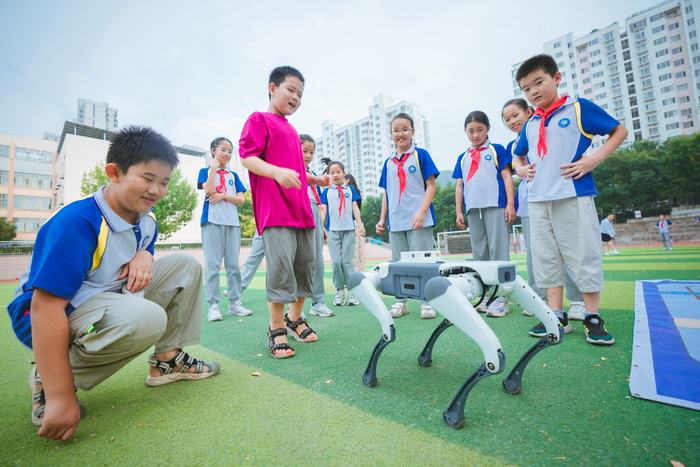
{"x":279,"y":74}
{"x":342,"y":167}
{"x":135,"y":144}
{"x":477,"y":116}
{"x":404,"y":116}
{"x":542,"y":62}
{"x":306,"y":138}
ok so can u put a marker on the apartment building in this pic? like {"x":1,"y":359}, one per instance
{"x":97,"y":114}
{"x":26,"y":182}
{"x":645,"y":74}
{"x":363,"y":146}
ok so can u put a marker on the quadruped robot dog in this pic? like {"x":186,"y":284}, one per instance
{"x":449,"y":286}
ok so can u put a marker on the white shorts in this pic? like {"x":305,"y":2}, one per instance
{"x":566,"y":231}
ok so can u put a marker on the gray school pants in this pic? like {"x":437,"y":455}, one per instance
{"x":319,"y":287}
{"x":488,"y":233}
{"x":252,"y":262}
{"x":572,"y":291}
{"x":341,"y":245}
{"x":110,"y":329}
{"x":221,"y":241}
{"x":410,"y":240}
{"x":665,"y":239}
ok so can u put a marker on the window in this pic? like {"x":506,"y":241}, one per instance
{"x":558,"y":54}
{"x":677,"y":50}
{"x":680,"y":74}
{"x":4,"y":150}
{"x":687,"y":112}
{"x":581,"y":49}
{"x":639,"y":36}
{"x":683,"y":99}
{"x":672,"y":14}
{"x":597,"y":74}
{"x":3,"y":200}
{"x":619,"y":115}
{"x":682,"y":87}
{"x":557,"y":45}
{"x":597,"y":63}
{"x":688,"y":9}
{"x":583,"y":60}
{"x":678,"y":62}
{"x":691,"y":21}
{"x":649,"y":95}
{"x":644,"y":59}
{"x":661,"y":53}
{"x":670,"y":101}
{"x":693,"y":47}
{"x":666,"y":89}
{"x":670,"y":114}
{"x":33,"y":155}
{"x":656,"y":17}
{"x":593,"y":53}
{"x":652,"y":119}
{"x":4,"y":177}
{"x":588,"y":91}
{"x":672,"y":126}
{"x":692,"y":34}
{"x":646,"y":83}
{"x":593,"y":42}
{"x":585,"y":70}
{"x":604,"y":106}
{"x":609,"y":36}
{"x":24,"y":224}
{"x":659,"y":41}
{"x":614,"y":81}
{"x":587,"y":80}
{"x":675,"y":38}
{"x":599,"y":85}
{"x":32,"y":203}
{"x":653,"y":131}
{"x":658,"y":29}
{"x":650,"y":107}
{"x":601,"y":96}
{"x":618,"y":103}
{"x":610,"y":47}
{"x":688,"y":124}
{"x":672,"y":26}
{"x":663,"y":65}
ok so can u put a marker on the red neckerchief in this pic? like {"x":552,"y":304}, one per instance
{"x":313,"y":188}
{"x":221,"y":187}
{"x":342,"y":208}
{"x":476,"y":156}
{"x":541,"y":145}
{"x":400,"y":172}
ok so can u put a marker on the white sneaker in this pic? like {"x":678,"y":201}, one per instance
{"x":352,"y":300}
{"x":426,"y":311}
{"x":320,"y":309}
{"x":339,"y":297}
{"x":577,"y":311}
{"x":498,"y":309}
{"x":225,"y":293}
{"x":214,"y":314}
{"x":237,"y":309}
{"x":615,"y":252}
{"x":482,"y":307}
{"x":398,"y":309}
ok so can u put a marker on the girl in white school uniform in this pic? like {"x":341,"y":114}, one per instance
{"x":341,"y":212}
{"x":221,"y":229}
{"x":485,"y":192}
{"x":516,"y":112}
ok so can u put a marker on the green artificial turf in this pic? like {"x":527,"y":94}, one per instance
{"x":575,"y":407}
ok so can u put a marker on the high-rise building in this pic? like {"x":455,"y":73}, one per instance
{"x":364,"y":145}
{"x":26,"y":182}
{"x":97,"y":114}
{"x":645,"y":74}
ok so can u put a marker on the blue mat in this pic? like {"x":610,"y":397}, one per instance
{"x":666,"y":353}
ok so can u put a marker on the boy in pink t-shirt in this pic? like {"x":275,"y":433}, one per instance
{"x":271,"y":150}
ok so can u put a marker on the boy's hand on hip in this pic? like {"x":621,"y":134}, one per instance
{"x":288,"y":178}
{"x":579,"y":168}
{"x":139,"y":271}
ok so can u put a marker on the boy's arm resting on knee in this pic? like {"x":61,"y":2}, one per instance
{"x":139,"y":270}
{"x":288,"y":178}
{"x":50,"y":340}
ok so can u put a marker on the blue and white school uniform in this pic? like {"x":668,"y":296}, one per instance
{"x":340,"y":223}
{"x":402,"y":206}
{"x":484,"y":197}
{"x":665,"y":233}
{"x":79,"y":254}
{"x":562,"y":211}
{"x":221,"y":237}
{"x":316,"y":206}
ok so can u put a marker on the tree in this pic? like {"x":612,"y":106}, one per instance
{"x":172,"y":212}
{"x":7,"y":230}
{"x":245,"y":214}
{"x":681,"y":162}
{"x":371,"y":210}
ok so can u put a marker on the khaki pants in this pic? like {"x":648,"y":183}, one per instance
{"x":110,"y":329}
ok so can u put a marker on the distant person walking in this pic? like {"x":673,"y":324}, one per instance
{"x":607,"y":233}
{"x":665,"y":232}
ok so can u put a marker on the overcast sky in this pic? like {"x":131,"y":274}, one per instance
{"x":196,"y":70}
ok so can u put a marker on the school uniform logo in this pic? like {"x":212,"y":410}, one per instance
{"x":412,"y":169}
{"x":230,"y":182}
{"x":144,"y":242}
{"x":564,"y":122}
{"x":488,"y":157}
{"x":347,"y":195}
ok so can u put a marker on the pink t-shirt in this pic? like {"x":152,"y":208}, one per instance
{"x":273,"y":139}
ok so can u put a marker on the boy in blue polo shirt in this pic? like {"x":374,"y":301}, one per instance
{"x":563,"y":216}
{"x":93,"y":299}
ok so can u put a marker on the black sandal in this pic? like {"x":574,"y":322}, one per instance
{"x":293,"y":325}
{"x":271,"y":334}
